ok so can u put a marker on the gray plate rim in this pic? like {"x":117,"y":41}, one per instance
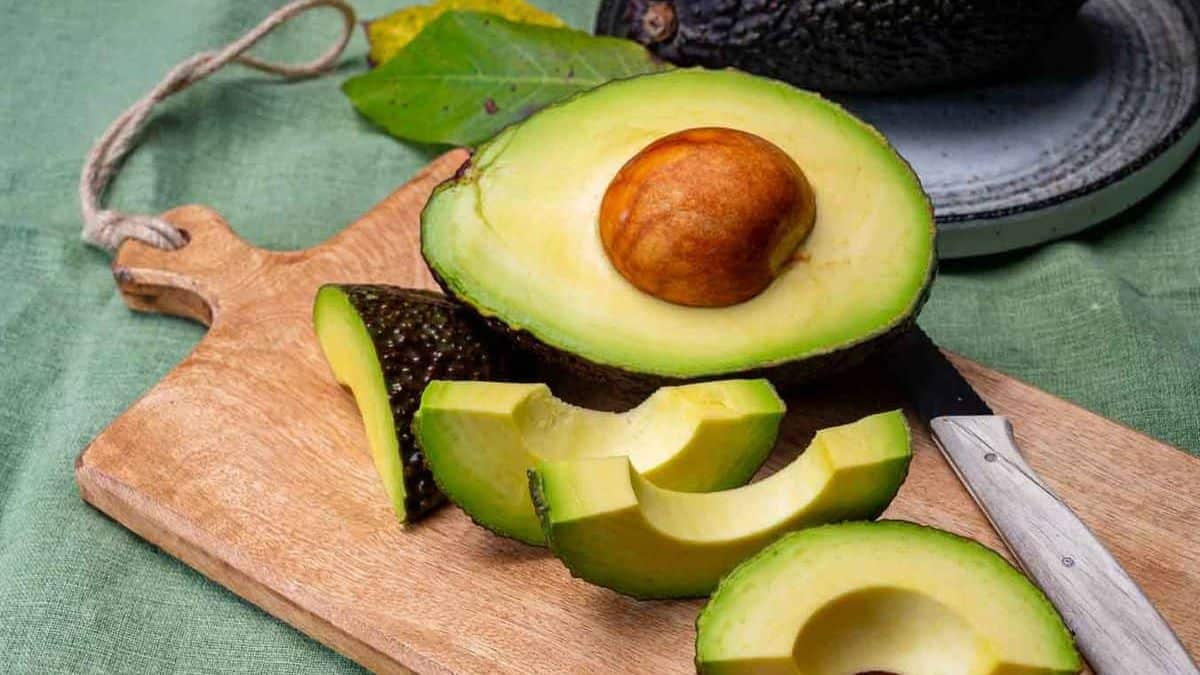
{"x":1155,"y":151}
{"x":1020,"y":226}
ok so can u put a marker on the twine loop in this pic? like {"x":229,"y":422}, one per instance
{"x":107,"y":228}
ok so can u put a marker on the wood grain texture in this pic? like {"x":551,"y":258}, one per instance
{"x":250,"y":464}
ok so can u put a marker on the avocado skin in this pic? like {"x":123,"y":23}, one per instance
{"x":784,"y":376}
{"x":540,"y":507}
{"x":847,"y":45}
{"x":421,"y":336}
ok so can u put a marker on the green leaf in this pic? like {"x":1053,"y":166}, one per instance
{"x":468,"y":75}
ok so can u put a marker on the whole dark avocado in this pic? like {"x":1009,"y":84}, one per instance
{"x":842,"y":45}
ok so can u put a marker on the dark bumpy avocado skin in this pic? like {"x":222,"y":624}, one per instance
{"x":421,"y":336}
{"x":540,"y":507}
{"x":785,"y":376}
{"x":842,"y":45}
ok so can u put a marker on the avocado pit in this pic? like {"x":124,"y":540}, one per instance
{"x":706,"y":217}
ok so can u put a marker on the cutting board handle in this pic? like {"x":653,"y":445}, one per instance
{"x":189,"y":281}
{"x":217,"y":269}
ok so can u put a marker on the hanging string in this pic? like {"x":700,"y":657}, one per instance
{"x":107,"y":228}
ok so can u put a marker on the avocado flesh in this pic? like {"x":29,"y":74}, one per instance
{"x":481,"y":438}
{"x":889,"y":596}
{"x":613,"y":528}
{"x":384,"y":344}
{"x":515,"y":235}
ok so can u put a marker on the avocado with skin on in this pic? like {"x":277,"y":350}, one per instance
{"x":842,"y":45}
{"x":888,"y":596}
{"x":589,"y":232}
{"x":613,"y":528}
{"x":480,"y":439}
{"x":385,"y":344}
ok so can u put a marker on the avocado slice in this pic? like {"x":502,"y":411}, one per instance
{"x":842,"y":45}
{"x":384,"y":344}
{"x":889,"y":596}
{"x":515,"y":236}
{"x":612,"y":527}
{"x":480,"y":438}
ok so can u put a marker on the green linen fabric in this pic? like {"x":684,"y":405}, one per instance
{"x":1109,"y":319}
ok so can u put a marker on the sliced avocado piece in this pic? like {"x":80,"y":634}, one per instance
{"x":385,"y":343}
{"x":889,"y":596}
{"x":515,"y":236}
{"x":481,"y":438}
{"x":612,"y":527}
{"x":842,"y":45}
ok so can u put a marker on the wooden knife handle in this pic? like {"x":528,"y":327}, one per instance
{"x":1117,"y":628}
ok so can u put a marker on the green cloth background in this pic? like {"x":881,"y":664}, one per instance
{"x":1109,"y":319}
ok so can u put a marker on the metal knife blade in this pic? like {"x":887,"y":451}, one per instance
{"x":933,"y":384}
{"x":1117,"y":628}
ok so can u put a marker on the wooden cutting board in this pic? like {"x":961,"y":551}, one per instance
{"x":249,"y":463}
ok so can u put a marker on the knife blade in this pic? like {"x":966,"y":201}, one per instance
{"x":1117,"y":628}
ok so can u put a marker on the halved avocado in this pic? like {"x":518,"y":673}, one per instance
{"x":515,"y":236}
{"x":614,"y":528}
{"x":385,"y":344}
{"x":890,"y":597}
{"x":480,"y":439}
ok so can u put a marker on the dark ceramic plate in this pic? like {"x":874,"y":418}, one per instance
{"x":1092,"y":125}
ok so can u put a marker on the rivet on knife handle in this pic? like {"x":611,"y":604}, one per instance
{"x":1118,"y":630}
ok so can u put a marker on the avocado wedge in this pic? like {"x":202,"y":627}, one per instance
{"x":515,"y":235}
{"x":384,"y":344}
{"x":612,"y":527}
{"x":889,"y":596}
{"x":480,"y":438}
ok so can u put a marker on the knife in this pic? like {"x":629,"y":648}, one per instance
{"x":1117,"y":628}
